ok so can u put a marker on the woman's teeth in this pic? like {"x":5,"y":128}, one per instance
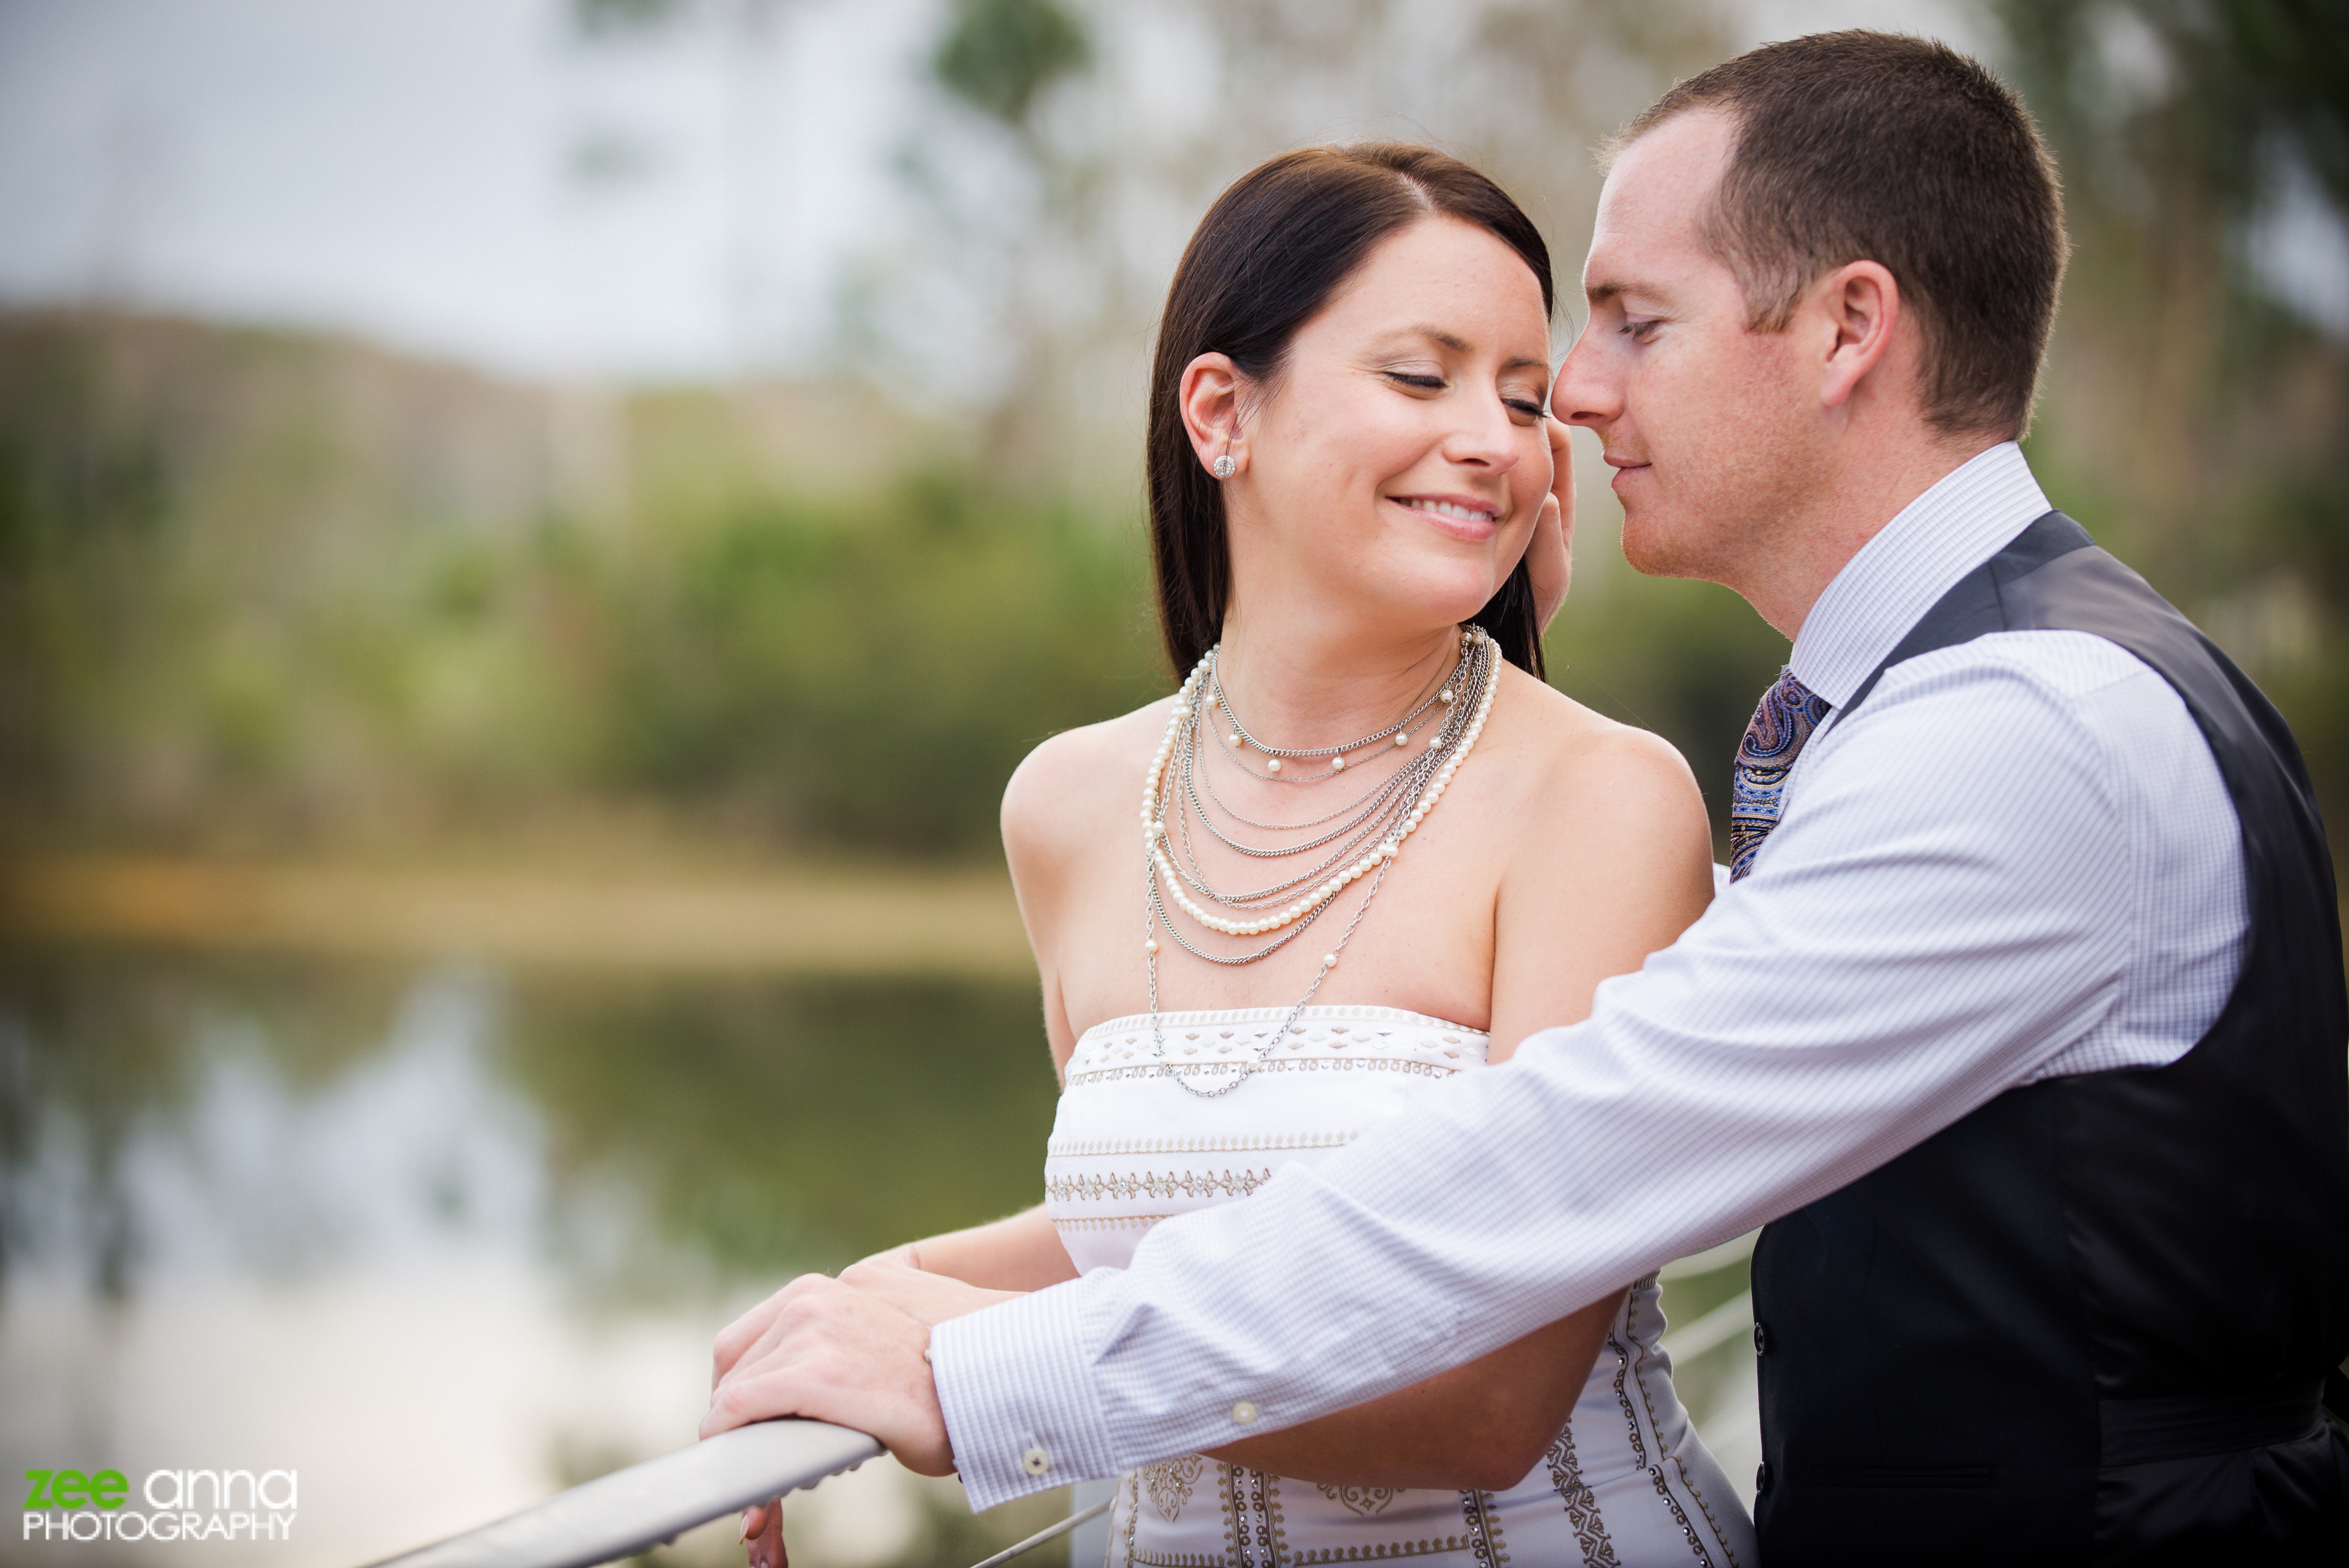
{"x":1445,"y":509}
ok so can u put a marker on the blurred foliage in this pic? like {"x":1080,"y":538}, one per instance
{"x":247,"y":595}
{"x":1687,"y":659}
{"x":599,"y":16}
{"x":259,"y":588}
{"x":864,"y":680}
{"x":998,"y":55}
{"x":2192,"y":417}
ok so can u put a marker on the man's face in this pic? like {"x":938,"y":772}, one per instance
{"x":1711,"y":428}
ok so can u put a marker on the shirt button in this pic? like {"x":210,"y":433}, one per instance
{"x":1244,"y":1413}
{"x":1035,"y":1461}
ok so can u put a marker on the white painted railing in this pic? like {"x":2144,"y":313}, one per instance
{"x":652,"y":1503}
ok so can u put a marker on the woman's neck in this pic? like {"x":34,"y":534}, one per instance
{"x":1297,"y":684}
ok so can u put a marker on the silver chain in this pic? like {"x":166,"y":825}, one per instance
{"x":1392,"y":802}
{"x":1223,"y":699}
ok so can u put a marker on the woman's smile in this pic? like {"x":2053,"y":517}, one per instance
{"x":1460,"y":517}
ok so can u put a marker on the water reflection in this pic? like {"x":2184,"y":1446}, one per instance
{"x":443,"y":1241}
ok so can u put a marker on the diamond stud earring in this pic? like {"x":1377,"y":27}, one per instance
{"x":1225,"y":467}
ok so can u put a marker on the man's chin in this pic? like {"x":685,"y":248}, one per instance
{"x":1655,"y":548}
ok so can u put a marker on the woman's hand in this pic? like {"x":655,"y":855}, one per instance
{"x":931,"y":1298}
{"x":762,"y":1535}
{"x":1549,"y":560}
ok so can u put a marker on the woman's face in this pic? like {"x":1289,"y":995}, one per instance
{"x":1399,"y":457}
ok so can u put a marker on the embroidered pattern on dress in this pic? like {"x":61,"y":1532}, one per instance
{"x":1381,"y":1551}
{"x":1581,"y":1503}
{"x":1363,"y":1501}
{"x":1111,"y":1223}
{"x":1249,"y":1528}
{"x":1483,"y":1529}
{"x":1170,"y":1482}
{"x":1230,"y":1143}
{"x":1232,"y":1017}
{"x":1681,"y":1470}
{"x":1271,"y":1065}
{"x":1150,"y":1184}
{"x":1654,"y":1472}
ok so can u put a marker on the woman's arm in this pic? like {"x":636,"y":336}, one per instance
{"x":1479,"y":1427}
{"x":1022,"y":1253}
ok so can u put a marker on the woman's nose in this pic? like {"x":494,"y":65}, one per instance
{"x":1490,"y":442}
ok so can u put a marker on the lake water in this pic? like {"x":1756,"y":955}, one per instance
{"x":439,"y":1239}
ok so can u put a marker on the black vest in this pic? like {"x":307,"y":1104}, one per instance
{"x":2089,"y":1321}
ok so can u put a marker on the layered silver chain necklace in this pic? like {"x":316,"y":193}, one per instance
{"x":1369,"y":831}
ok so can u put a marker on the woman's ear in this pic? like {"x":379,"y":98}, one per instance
{"x":1209,"y":396}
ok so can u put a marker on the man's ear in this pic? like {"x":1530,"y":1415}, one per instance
{"x":1209,"y":396}
{"x":1857,"y":310}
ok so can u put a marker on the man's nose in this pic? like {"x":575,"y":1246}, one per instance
{"x":1583,"y":394}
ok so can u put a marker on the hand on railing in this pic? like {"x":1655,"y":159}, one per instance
{"x":827,"y":1350}
{"x":788,"y":1335}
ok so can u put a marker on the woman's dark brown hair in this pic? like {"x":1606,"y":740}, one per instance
{"x":1267,"y":257}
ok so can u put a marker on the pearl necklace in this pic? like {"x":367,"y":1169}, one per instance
{"x":1401,"y":804}
{"x":1240,"y":740}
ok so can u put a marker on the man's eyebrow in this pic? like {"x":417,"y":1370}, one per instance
{"x":1600,"y":293}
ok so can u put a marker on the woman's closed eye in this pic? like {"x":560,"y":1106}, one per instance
{"x":1531,"y":406}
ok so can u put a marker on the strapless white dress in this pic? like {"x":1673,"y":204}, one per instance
{"x":1627,"y":1483}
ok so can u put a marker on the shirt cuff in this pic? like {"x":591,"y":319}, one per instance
{"x":1015,"y":1382}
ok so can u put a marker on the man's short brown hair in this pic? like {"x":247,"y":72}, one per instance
{"x":1860,"y":146}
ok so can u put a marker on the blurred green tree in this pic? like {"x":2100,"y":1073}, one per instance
{"x":2196,"y":410}
{"x":998,"y":55}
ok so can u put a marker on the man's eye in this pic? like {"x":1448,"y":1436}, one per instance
{"x":1640,"y":327}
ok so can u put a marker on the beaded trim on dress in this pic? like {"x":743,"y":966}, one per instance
{"x":1333,"y":1038}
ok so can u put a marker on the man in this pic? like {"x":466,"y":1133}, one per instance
{"x":2023,"y":1021}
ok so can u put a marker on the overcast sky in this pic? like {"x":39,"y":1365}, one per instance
{"x":466,"y":177}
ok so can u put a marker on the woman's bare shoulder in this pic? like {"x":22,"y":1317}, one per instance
{"x":1079,"y":778}
{"x":1574,"y":749}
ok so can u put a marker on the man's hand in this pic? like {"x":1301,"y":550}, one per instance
{"x":1548,"y":561}
{"x":820,"y":1348}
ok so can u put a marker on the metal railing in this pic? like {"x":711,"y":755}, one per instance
{"x":652,"y":1503}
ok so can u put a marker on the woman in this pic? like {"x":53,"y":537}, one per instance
{"x":1376,"y":851}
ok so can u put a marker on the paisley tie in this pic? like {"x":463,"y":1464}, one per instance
{"x":1783,"y":721}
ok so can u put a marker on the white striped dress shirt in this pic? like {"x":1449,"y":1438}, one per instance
{"x":2017,"y":860}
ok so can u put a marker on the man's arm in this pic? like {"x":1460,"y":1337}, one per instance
{"x":1946,"y":906}
{"x":1914,"y":940}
